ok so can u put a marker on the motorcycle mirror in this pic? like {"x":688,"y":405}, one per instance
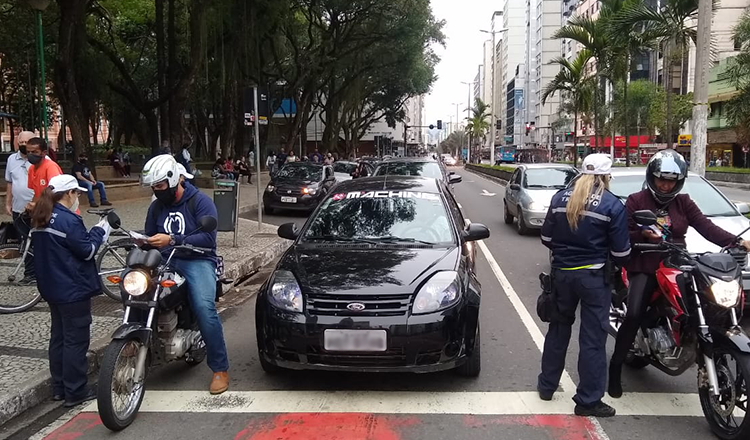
{"x":208,"y":223}
{"x":114,"y":220}
{"x":644,"y":217}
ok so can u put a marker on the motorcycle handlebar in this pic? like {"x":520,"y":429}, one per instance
{"x":192,"y":248}
{"x":650,"y":246}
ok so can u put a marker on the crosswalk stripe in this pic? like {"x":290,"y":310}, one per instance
{"x":401,"y":402}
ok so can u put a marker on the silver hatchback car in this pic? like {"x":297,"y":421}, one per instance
{"x":530,"y":190}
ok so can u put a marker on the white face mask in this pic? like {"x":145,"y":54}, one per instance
{"x":74,"y":206}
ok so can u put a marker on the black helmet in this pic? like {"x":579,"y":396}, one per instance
{"x":667,"y":165}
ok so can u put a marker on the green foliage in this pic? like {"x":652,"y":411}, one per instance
{"x":738,"y":108}
{"x":496,"y":167}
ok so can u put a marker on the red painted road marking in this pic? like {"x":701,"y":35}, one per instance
{"x":327,"y":426}
{"x":558,"y":427}
{"x":75,"y":427}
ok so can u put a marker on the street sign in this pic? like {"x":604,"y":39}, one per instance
{"x":684,"y":140}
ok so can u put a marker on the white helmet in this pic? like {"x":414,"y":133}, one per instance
{"x":183,"y":172}
{"x":160,"y":168}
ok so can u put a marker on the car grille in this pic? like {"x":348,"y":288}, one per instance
{"x":375,"y":305}
{"x":393,"y":357}
{"x":292,"y":191}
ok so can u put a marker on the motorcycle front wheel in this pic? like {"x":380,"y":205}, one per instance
{"x":727,"y":413}
{"x":119,"y":397}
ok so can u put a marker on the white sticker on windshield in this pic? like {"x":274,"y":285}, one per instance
{"x":385,"y":195}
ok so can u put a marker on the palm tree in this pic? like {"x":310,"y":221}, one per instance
{"x":572,"y":81}
{"x":478,"y":125}
{"x":670,"y":26}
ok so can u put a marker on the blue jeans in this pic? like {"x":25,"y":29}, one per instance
{"x":201,"y":280}
{"x":90,"y":193}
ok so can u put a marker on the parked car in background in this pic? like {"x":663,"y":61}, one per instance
{"x":712,"y":202}
{"x":298,"y":186}
{"x":342,"y":170}
{"x":530,"y":190}
{"x":449,"y":160}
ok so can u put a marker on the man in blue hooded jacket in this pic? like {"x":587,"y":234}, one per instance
{"x":173,"y":219}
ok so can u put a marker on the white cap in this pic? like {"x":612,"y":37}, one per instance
{"x":183,"y":172}
{"x":64,"y":183}
{"x":598,"y":164}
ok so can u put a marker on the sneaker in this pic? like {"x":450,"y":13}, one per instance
{"x":219,"y":383}
{"x":27,"y":281}
{"x":599,"y":409}
{"x":58,"y":397}
{"x":90,"y":395}
{"x":106,"y":203}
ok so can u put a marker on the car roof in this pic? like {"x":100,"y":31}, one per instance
{"x":533,"y":166}
{"x":298,"y":164}
{"x":638,"y":171}
{"x":346,"y":162}
{"x":380,"y":183}
{"x":408,"y":160}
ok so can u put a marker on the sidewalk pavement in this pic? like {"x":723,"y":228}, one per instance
{"x":24,"y":370}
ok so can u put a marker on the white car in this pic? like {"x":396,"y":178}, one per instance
{"x":720,"y":210}
{"x":449,"y":160}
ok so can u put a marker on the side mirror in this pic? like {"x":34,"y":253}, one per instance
{"x":515,"y":186}
{"x":475,"y":232}
{"x":744,"y":208}
{"x":208,"y":223}
{"x":644,"y":217}
{"x":288,"y":231}
{"x":114,"y":220}
{"x":454,"y":178}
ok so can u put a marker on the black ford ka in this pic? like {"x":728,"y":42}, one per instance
{"x":379,"y":279}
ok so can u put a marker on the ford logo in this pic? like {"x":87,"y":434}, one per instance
{"x":356,"y":307}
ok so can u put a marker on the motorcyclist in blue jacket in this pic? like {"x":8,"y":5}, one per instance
{"x":64,"y":252}
{"x":584,"y":227}
{"x":171,"y":220}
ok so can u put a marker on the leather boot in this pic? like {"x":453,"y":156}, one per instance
{"x":219,"y":383}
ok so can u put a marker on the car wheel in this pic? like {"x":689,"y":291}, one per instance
{"x":508,"y":217}
{"x":268,"y":367}
{"x":473,"y":365}
{"x":267,"y":210}
{"x":522,"y":228}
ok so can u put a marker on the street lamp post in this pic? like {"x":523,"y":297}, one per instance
{"x":492,"y":93}
{"x":39,"y":6}
{"x":468,"y":117}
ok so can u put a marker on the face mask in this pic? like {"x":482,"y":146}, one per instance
{"x":74,"y":206}
{"x":166,"y":196}
{"x":22,"y":149}
{"x":35,"y":158}
{"x":83,"y":161}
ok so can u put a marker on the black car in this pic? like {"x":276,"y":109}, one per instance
{"x":298,"y":186}
{"x":379,"y":279}
{"x":422,"y":166}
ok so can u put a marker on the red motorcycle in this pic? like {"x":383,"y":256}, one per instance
{"x":693,"y":318}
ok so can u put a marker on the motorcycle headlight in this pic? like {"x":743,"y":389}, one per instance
{"x":726,"y":293}
{"x":285,"y":292}
{"x":270,"y":188}
{"x":135,"y":283}
{"x":536,"y":206}
{"x":439,"y":292}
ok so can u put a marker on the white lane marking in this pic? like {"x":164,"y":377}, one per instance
{"x":487,"y":193}
{"x":403,"y":402}
{"x":523,"y":313}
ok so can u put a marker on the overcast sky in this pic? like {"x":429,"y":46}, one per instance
{"x":462,"y":54}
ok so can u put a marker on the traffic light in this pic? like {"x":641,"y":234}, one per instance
{"x":583,"y":130}
{"x":440,"y":124}
{"x":498,"y":124}
{"x":528,"y":128}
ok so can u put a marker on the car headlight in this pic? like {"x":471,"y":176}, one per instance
{"x":439,"y":292}
{"x":309,"y":191}
{"x":135,"y":283}
{"x":726,"y":293}
{"x":285,"y":292}
{"x":536,"y":206}
{"x":270,"y":188}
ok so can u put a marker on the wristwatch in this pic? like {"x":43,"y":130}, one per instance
{"x":171,"y":240}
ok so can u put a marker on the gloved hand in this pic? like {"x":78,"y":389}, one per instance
{"x":104,"y":224}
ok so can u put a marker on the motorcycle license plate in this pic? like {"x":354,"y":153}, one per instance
{"x":355,"y":340}
{"x":289,"y":200}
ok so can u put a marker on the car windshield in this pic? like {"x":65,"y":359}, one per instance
{"x":301,"y":172}
{"x":424,"y":169}
{"x":548,"y":178}
{"x":382,"y":216}
{"x":344,"y":167}
{"x":710,"y":201}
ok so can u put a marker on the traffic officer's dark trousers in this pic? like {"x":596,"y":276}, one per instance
{"x":589,"y":287}
{"x":68,"y":344}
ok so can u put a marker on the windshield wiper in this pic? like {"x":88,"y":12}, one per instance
{"x":393,"y":238}
{"x":330,"y":237}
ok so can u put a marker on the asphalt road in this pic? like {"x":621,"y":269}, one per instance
{"x":500,"y":404}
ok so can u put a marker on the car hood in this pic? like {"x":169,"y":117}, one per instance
{"x":543,"y":196}
{"x":343,"y":270}
{"x":340,"y":177}
{"x":293,"y":182}
{"x":734,"y":225}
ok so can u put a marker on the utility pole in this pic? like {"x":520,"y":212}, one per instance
{"x":406,"y":130}
{"x":700,"y":97}
{"x":468,"y":117}
{"x":493,"y":128}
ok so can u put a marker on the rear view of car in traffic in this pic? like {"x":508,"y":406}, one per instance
{"x":422,"y":167}
{"x":381,"y":278}
{"x":449,"y":160}
{"x":529,"y":192}
{"x":298,"y":186}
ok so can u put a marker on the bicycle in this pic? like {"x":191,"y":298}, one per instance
{"x":111,"y":255}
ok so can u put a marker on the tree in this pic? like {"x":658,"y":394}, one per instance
{"x":454,"y":143}
{"x":633,"y":113}
{"x":478,"y":124}
{"x":576,"y":85}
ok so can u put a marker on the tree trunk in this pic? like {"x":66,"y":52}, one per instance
{"x":161,"y":64}
{"x":153,"y":131}
{"x":71,"y":38}
{"x":626,"y":116}
{"x":575,"y":140}
{"x":175,"y":108}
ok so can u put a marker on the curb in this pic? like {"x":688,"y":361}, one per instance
{"x":495,"y":179}
{"x":37,"y":388}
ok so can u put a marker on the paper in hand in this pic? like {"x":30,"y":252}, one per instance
{"x":137,"y":236}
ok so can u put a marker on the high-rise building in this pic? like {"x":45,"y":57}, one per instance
{"x":478,"y":86}
{"x":513,"y":50}
{"x":548,"y":21}
{"x":530,"y":70}
{"x":498,"y":93}
{"x":487,"y":73}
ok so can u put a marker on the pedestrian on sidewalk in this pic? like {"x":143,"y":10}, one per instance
{"x":243,"y":169}
{"x":17,"y":197}
{"x":64,"y":252}
{"x":585,"y":224}
{"x":271,"y":163}
{"x":86,"y":180}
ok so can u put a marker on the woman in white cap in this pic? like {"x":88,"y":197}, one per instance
{"x":64,"y":252}
{"x":585,"y":224}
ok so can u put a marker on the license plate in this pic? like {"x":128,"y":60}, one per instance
{"x":289,"y":200}
{"x":355,"y":340}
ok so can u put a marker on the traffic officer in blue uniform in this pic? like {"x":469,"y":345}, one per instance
{"x":64,"y":252}
{"x":584,"y":227}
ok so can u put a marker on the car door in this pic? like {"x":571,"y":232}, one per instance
{"x":511,"y":195}
{"x":468,"y":250}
